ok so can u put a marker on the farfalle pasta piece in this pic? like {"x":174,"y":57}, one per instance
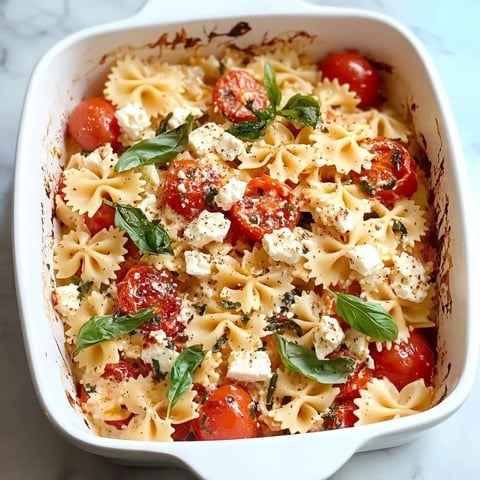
{"x":97,"y":258}
{"x":381,"y":401}
{"x":86,"y":187}
{"x":332,"y":95}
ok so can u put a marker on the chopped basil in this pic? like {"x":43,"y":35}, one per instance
{"x":149,"y":237}
{"x":107,"y":327}
{"x":399,"y":227}
{"x":369,"y":318}
{"x":82,"y":287}
{"x":271,"y":389}
{"x":156,"y":370}
{"x":163,"y":125}
{"x":369,"y":215}
{"x":230,"y":305}
{"x":275,"y":326}
{"x":396,"y":157}
{"x":367,"y":187}
{"x":220,"y":342}
{"x":181,"y":376}
{"x":210,"y":194}
{"x":249,"y":129}
{"x":303,"y":360}
{"x":157,"y":150}
{"x":89,"y":388}
{"x":288,"y":298}
{"x":201,"y":309}
{"x":245,"y":318}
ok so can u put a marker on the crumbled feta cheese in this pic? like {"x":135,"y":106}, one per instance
{"x":336,"y":216}
{"x":210,"y":138}
{"x":408,"y":279}
{"x":282,"y":246}
{"x":365,"y":259}
{"x":357,"y":343}
{"x":160,"y":351}
{"x":133,"y":121}
{"x":249,"y":366}
{"x":207,"y":227}
{"x":328,"y":336}
{"x":68,"y":301}
{"x":230,"y":193}
{"x":198,"y":263}
{"x":180,"y":114}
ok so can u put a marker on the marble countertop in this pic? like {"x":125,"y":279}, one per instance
{"x":30,"y":448}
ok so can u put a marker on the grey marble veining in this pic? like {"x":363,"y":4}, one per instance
{"x":30,"y":447}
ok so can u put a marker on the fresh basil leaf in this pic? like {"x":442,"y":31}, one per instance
{"x":157,"y":150}
{"x":149,"y":237}
{"x":271,"y":85}
{"x":302,"y":109}
{"x":249,"y":129}
{"x":163,"y":125}
{"x":107,"y":327}
{"x":369,"y":318}
{"x":181,"y":376}
{"x":302,"y":360}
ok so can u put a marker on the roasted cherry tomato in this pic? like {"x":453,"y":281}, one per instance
{"x":145,"y":286}
{"x":183,"y":431}
{"x":126,"y":369}
{"x":92,"y":124}
{"x":237,"y":93}
{"x":226,"y":414}
{"x":267,"y":205}
{"x":190,"y":187}
{"x":406,"y":362}
{"x":340,"y":415}
{"x":393,"y":172}
{"x":104,"y":217}
{"x":357,"y":71}
{"x":356,"y":381}
{"x":120,"y":424}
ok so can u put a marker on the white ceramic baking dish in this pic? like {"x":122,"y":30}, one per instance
{"x":76,"y":67}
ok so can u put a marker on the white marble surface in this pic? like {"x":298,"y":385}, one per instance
{"x":29,"y":447}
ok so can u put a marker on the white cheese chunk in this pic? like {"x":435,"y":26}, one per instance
{"x":357,"y":343}
{"x":211,"y":138}
{"x":408,"y":279}
{"x":249,"y":366}
{"x":365,"y":259}
{"x":67,"y":299}
{"x":180,"y":114}
{"x":328,"y":336}
{"x":207,"y":227}
{"x":230,"y":193}
{"x":283,"y":246}
{"x":159,"y":350}
{"x":336,"y":216}
{"x":133,"y":121}
{"x":198,"y":263}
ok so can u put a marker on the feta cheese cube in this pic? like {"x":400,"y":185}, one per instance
{"x":408,"y":279}
{"x":336,"y":216}
{"x":249,"y":366}
{"x":180,"y":114}
{"x":283,"y":246}
{"x":357,"y":343}
{"x":207,"y":227}
{"x":230,"y":193}
{"x":133,"y":121}
{"x":365,"y":259}
{"x":160,"y":351}
{"x":197,"y":263}
{"x":67,"y":299}
{"x":328,"y":336}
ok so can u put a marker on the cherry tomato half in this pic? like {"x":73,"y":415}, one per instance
{"x":120,"y":424}
{"x":357,"y":71}
{"x":406,"y":362}
{"x":340,"y":415}
{"x":267,"y":205}
{"x":226,"y":414}
{"x":126,"y":369}
{"x":356,"y":381}
{"x":104,"y":217}
{"x":237,"y":93}
{"x":190,"y":187}
{"x":92,"y":124}
{"x":145,"y":286}
{"x":393,"y":172}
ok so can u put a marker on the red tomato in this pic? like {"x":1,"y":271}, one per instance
{"x":267,"y":205}
{"x":190,"y":187}
{"x":237,"y":93}
{"x":226,"y":414}
{"x":356,"y":381}
{"x":340,"y":415}
{"x":183,"y":431}
{"x":406,"y":362}
{"x":92,"y":124}
{"x":145,"y":286}
{"x":104,"y":217}
{"x":357,"y":71}
{"x":126,"y":369}
{"x":393,"y":173}
{"x":131,"y":258}
{"x":120,"y":424}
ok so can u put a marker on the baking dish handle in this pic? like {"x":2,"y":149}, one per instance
{"x":300,"y":457}
{"x":178,"y":10}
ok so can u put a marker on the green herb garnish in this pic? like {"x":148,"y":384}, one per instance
{"x":369,"y":318}
{"x":399,"y":227}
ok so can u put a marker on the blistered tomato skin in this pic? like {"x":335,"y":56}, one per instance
{"x":226,"y":414}
{"x":190,"y":187}
{"x":404,"y":363}
{"x":92,"y":124}
{"x":356,"y":71}
{"x":237,"y":94}
{"x":267,"y":205}
{"x":104,"y":217}
{"x":145,"y":286}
